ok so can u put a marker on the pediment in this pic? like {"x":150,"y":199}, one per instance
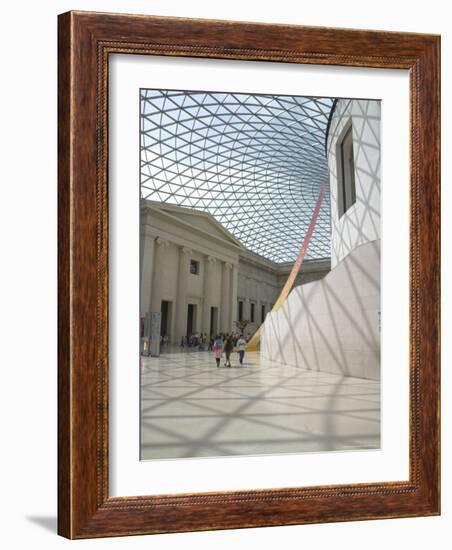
{"x":206,"y":223}
{"x":201,"y":221}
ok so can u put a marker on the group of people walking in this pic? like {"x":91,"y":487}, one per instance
{"x":220,"y":344}
{"x":198,"y":341}
{"x":226,"y":344}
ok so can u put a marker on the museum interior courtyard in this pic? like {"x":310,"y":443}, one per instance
{"x":260,"y":234}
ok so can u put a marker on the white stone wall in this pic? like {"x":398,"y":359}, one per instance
{"x":332,"y":325}
{"x":311,"y":270}
{"x":361,"y":223}
{"x":195,"y":282}
{"x":215,"y":283}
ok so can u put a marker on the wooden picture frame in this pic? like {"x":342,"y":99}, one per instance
{"x":86,"y":40}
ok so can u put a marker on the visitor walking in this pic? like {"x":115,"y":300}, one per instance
{"x":241,"y":345}
{"x":218,"y":349}
{"x":228,"y":347}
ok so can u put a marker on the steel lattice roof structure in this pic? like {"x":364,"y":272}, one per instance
{"x":255,"y":162}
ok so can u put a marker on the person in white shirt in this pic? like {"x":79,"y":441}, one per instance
{"x":241,"y":345}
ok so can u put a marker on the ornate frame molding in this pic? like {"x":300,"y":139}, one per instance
{"x":85,"y":42}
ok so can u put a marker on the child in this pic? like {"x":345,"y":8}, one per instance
{"x":241,"y":345}
{"x":218,"y":349}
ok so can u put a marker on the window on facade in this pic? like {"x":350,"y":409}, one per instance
{"x":346,"y":191}
{"x":262,"y":313}
{"x":252,"y":313}
{"x":240,"y":311}
{"x":194,"y":267}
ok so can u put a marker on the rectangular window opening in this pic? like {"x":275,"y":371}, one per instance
{"x":346,"y":189}
{"x":194,"y":267}
{"x":240,"y":311}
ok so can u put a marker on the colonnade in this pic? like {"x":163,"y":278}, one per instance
{"x":219,"y":287}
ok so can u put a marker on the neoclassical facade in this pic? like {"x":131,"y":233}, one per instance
{"x":189,"y":271}
{"x":201,"y":279}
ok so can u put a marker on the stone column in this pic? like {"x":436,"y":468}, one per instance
{"x":181,"y":299}
{"x":209,"y":262}
{"x":226,"y":297}
{"x":158,"y":274}
{"x":147,"y":264}
{"x":257,"y":313}
{"x":234,"y":286}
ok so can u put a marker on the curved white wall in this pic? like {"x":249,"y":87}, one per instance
{"x":331,"y":325}
{"x":361,"y":222}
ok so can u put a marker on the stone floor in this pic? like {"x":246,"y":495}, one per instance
{"x":191,"y":408}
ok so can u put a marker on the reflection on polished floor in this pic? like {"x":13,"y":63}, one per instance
{"x":191,"y":408}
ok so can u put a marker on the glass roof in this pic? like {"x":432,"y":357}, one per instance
{"x":255,"y":162}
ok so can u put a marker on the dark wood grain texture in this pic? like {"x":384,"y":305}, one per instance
{"x":64,"y":294}
{"x":84,"y":506}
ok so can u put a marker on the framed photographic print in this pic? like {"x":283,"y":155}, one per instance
{"x":248,"y":275}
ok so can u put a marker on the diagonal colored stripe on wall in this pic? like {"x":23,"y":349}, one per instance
{"x":253,"y":344}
